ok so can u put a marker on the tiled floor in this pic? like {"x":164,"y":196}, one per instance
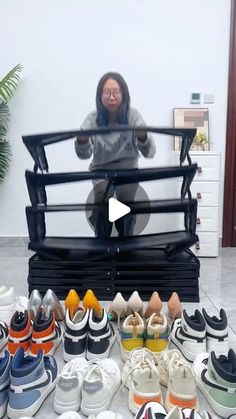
{"x":217,"y":289}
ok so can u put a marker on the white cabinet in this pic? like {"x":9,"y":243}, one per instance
{"x":206,"y":187}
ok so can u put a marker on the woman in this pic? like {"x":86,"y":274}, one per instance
{"x":116,"y":150}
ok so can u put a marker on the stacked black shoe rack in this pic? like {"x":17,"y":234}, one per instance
{"x":159,"y":261}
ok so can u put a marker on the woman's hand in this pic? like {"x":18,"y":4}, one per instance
{"x":141,"y":135}
{"x":82,"y":140}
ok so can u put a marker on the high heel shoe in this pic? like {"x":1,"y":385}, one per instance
{"x":154,"y":305}
{"x":51,"y":303}
{"x":134,"y":304}
{"x":34,"y":304}
{"x":174,"y":306}
{"x":117,"y":308}
{"x":72,"y":302}
{"x":90,"y":302}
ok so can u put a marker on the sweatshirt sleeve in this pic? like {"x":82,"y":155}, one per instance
{"x":85,"y":151}
{"x":147,"y":147}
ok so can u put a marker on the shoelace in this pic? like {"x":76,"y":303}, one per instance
{"x":141,"y":360}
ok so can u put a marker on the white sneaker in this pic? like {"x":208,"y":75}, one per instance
{"x":189,"y":334}
{"x":99,"y":386}
{"x":182,"y":387}
{"x":217,"y":338}
{"x":107,"y":414}
{"x":140,"y":376}
{"x":69,"y":386}
{"x":10,"y":303}
{"x":70,"y":415}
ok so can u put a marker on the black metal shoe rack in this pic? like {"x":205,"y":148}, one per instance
{"x":107,"y":265}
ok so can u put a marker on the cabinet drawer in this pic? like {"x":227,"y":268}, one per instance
{"x":208,"y":167}
{"x":207,"y":193}
{"x":207,"y":218}
{"x":208,"y":245}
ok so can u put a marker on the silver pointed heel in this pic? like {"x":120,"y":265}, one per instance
{"x":34,"y":304}
{"x":51,"y":303}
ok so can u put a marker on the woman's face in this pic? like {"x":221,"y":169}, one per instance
{"x":111,"y":95}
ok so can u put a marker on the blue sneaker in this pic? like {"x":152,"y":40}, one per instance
{"x":32,"y":380}
{"x":5,"y":364}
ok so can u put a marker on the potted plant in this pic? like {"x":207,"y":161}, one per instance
{"x":7,"y":86}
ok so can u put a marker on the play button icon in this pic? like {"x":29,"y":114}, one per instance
{"x":116,"y":210}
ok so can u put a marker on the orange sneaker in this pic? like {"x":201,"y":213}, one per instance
{"x":72,"y":302}
{"x":19,"y":332}
{"x":90,"y":302}
{"x":46,"y":334}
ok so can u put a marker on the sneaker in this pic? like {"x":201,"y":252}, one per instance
{"x":32,"y":380}
{"x":9,"y":303}
{"x":131,"y":335}
{"x":3,"y":334}
{"x":101,"y":336}
{"x":182,"y":388}
{"x":19,"y":332}
{"x":99,"y":386}
{"x":70,"y":415}
{"x":5,"y":363}
{"x":157,"y":334}
{"x":75,"y":337}
{"x":193,"y":414}
{"x":69,"y":386}
{"x":156,"y":410}
{"x":106,"y":414}
{"x":140,"y":376}
{"x":216,"y":378}
{"x":217,"y":338}
{"x":189,"y":334}
{"x":46,"y":334}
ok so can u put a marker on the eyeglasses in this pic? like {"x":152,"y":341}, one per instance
{"x":107,"y":94}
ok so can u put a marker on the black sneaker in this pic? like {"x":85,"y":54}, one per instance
{"x":101,"y":336}
{"x":75,"y":338}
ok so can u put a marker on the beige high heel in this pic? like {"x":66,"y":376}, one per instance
{"x":134,"y":304}
{"x":154,"y":305}
{"x":174,"y":306}
{"x":117,"y":309}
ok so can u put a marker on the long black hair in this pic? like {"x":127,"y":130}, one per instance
{"x":102,"y":113}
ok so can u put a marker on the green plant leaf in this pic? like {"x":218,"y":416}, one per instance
{"x":9,"y":83}
{"x":5,"y":157}
{"x":4,"y":118}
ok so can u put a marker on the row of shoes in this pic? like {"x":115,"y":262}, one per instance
{"x":90,"y":386}
{"x":42,"y":333}
{"x":120,"y":308}
{"x":25,"y":382}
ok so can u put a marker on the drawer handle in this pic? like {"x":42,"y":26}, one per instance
{"x":197,"y":245}
{"x":199,"y":195}
{"x":198,"y":220}
{"x":199,"y":169}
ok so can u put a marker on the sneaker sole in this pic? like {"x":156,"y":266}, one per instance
{"x":169,"y":406}
{"x":134,"y":408}
{"x":61,"y":408}
{"x":91,"y":356}
{"x":31,"y":410}
{"x":3,"y":409}
{"x":94,"y":409}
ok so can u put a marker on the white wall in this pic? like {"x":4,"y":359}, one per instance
{"x":165,"y":49}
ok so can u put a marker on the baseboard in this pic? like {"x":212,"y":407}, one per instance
{"x":14,"y":241}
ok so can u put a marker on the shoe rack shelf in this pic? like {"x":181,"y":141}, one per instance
{"x":144,"y":271}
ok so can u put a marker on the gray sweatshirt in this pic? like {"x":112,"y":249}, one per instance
{"x":116,"y":150}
